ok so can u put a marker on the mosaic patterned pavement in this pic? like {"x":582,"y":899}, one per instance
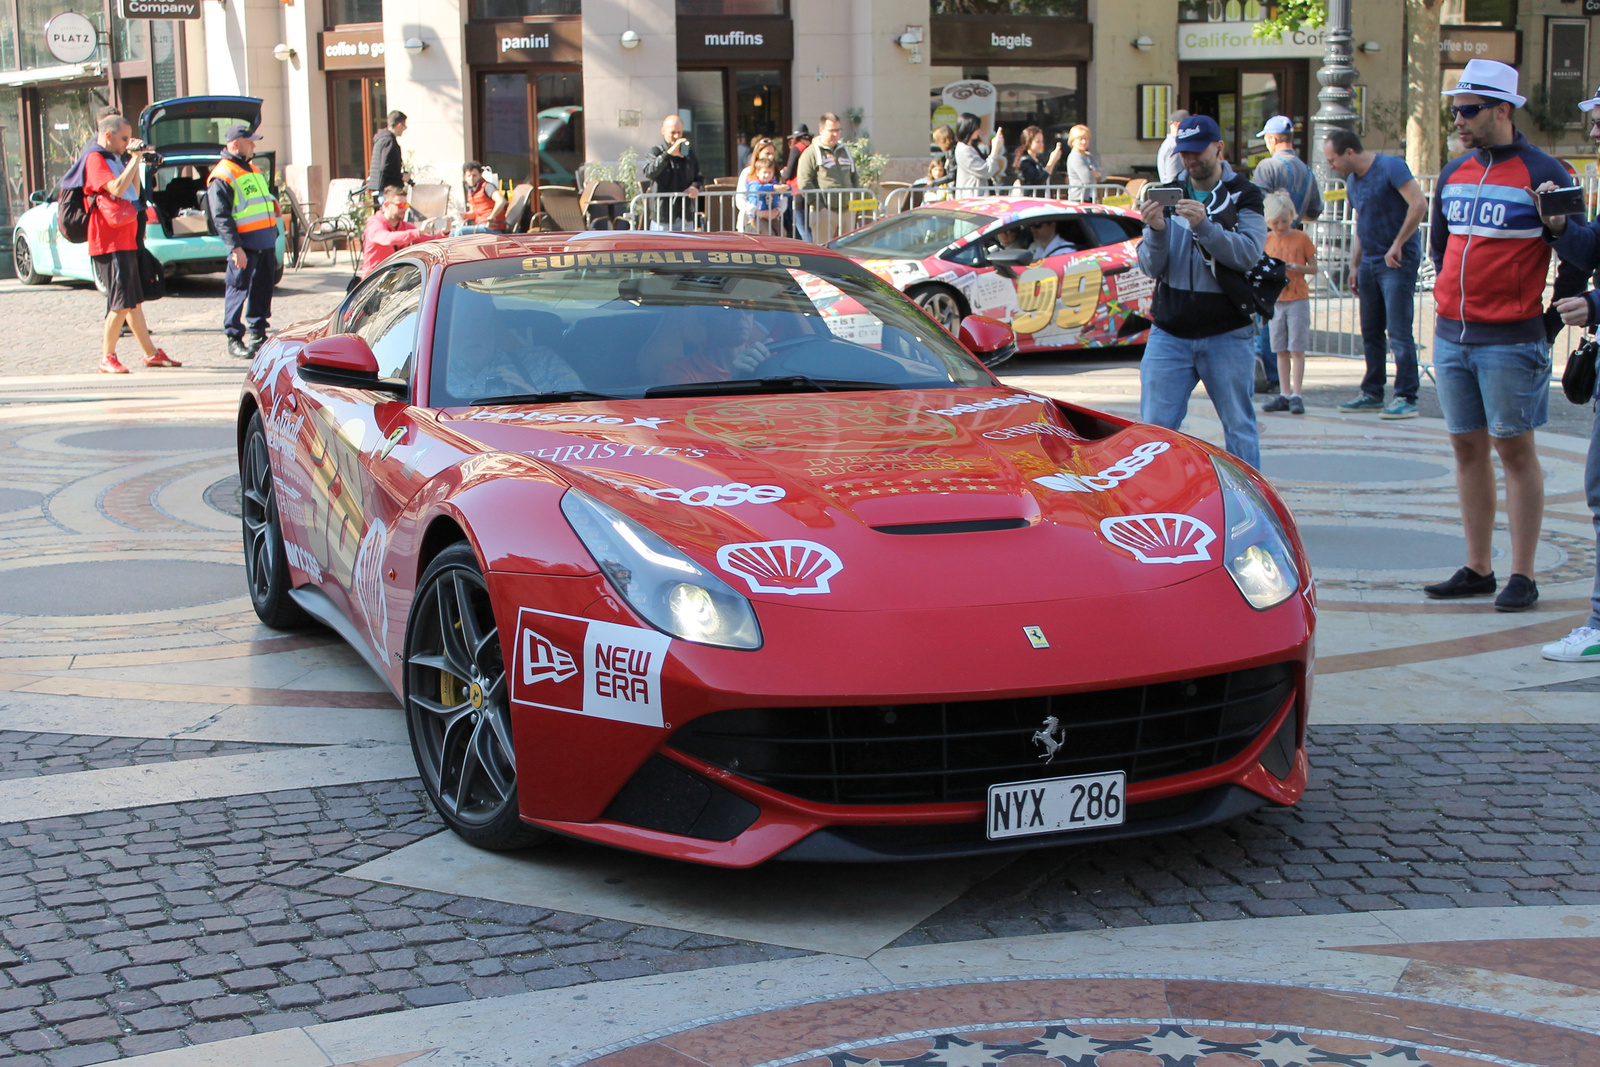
{"x":212,"y":848}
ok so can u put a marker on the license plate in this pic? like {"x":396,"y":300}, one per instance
{"x":1050,"y":806}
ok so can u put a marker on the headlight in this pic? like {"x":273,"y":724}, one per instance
{"x":1255,"y":550}
{"x":669,"y":589}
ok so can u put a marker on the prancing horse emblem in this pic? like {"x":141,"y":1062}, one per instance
{"x":1046,"y":736}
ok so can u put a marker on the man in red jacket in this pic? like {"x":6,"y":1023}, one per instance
{"x":1491,"y":352}
{"x":388,"y":231}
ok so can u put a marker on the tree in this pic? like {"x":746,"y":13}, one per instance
{"x":1286,"y":16}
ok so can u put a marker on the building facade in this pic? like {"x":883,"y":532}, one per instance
{"x":534,"y":88}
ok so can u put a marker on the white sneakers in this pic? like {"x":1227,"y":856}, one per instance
{"x":1580,"y":646}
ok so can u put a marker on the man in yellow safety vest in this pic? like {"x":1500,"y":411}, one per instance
{"x":246,"y":217}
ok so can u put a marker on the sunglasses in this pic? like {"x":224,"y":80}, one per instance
{"x":399,"y":203}
{"x":1467,"y":111}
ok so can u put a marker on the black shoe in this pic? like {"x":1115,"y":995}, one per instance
{"x":1520,"y":594}
{"x":254,"y":342}
{"x":1464,"y":582}
{"x":238,"y":349}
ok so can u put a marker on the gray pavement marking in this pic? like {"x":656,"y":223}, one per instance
{"x":25,"y":754}
{"x":162,"y":438}
{"x":102,"y":587}
{"x":1369,"y":548}
{"x":226,"y":496}
{"x":191,"y":922}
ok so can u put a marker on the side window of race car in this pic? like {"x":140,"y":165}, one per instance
{"x":384,"y":312}
{"x":1111,"y":229}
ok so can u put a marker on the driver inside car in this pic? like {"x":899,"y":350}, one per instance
{"x":703,"y":344}
{"x":505,"y":366}
{"x":1047,"y":242}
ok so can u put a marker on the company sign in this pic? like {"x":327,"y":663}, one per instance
{"x":964,"y":39}
{"x":730,"y":37}
{"x":351,"y":49}
{"x":1237,"y":40}
{"x":544,"y":41}
{"x":71,"y":38}
{"x":158,"y":9}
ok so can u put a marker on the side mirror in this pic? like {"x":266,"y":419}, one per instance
{"x":343,"y":359}
{"x":39,"y":196}
{"x":1006,"y":260}
{"x":991,"y":340}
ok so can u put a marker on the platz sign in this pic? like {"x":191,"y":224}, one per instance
{"x":158,"y":9}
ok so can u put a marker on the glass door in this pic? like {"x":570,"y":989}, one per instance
{"x":702,"y":103}
{"x":359,"y":105}
{"x":757,"y":110}
{"x":1261,"y":96}
{"x":503,"y":126}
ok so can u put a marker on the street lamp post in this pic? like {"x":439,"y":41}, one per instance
{"x":1336,"y":75}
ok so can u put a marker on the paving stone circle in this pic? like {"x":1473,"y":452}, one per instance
{"x":1348,"y":467}
{"x":139,"y":439}
{"x":17,"y":499}
{"x":1379,"y":548}
{"x":117,"y":586}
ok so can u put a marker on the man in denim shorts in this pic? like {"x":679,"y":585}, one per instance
{"x":1491,"y":355}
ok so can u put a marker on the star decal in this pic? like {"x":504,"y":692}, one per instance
{"x":844,"y":1059}
{"x":1068,"y":1046}
{"x":1175,"y":1047}
{"x":1394,"y":1056}
{"x":1282,"y":1049}
{"x":951,"y":1051}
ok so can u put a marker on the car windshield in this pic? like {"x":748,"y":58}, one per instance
{"x":911,"y":234}
{"x":680,"y":322}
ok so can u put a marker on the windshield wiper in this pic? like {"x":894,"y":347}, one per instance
{"x":790,"y":383}
{"x":544,"y":398}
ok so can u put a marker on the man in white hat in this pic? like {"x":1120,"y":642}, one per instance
{"x":1491,"y":353}
{"x":1578,"y":245}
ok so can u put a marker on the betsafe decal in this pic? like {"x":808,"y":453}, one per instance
{"x":788,"y":567}
{"x":705,"y":496}
{"x":1163,"y":537}
{"x":617,"y":674}
{"x":1111,"y":477}
{"x":990,"y":405}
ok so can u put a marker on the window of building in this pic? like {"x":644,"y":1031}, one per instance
{"x":359,"y":106}
{"x":521,"y":109}
{"x":164,"y":59}
{"x":353,"y":12}
{"x":732,"y":7}
{"x":1224,"y":10}
{"x":129,"y":39}
{"x":8,"y":38}
{"x":1066,"y":9}
{"x":69,"y":124}
{"x":33,"y":14}
{"x":516,"y":9}
{"x":13,"y":184}
{"x":1050,"y":98}
{"x":1478,"y":13}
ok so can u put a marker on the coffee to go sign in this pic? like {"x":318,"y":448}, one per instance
{"x":351,"y":49}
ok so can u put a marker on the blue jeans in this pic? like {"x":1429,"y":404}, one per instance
{"x":475,"y":227}
{"x":1226,"y":364}
{"x":1591,"y":490}
{"x":247,"y":295}
{"x":1269,"y":358}
{"x":1504,"y":388}
{"x":1387,"y":298}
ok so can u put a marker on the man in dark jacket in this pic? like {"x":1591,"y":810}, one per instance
{"x":386,"y":163}
{"x":246,"y":218}
{"x":1201,"y":334}
{"x":673,"y":168}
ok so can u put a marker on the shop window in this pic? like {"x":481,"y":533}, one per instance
{"x":163,"y":59}
{"x":1478,"y":13}
{"x":31,"y":17}
{"x":359,"y":106}
{"x":354,"y":12}
{"x":129,"y":39}
{"x":8,"y":38}
{"x":69,"y":124}
{"x":516,"y":9}
{"x":560,"y":100}
{"x":1047,"y":97}
{"x":700,"y":94}
{"x":13,"y":185}
{"x":1066,"y":9}
{"x":1224,"y":10}
{"x":740,"y":8}
{"x":521,"y":109}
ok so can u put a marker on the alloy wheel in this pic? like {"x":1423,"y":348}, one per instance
{"x":458,"y":701}
{"x":256,"y":509}
{"x":942,"y":306}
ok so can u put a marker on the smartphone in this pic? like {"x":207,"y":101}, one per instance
{"x":1164,"y":196}
{"x":1567,"y":201}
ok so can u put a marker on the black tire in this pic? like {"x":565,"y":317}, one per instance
{"x":22,"y":260}
{"x":943,"y":303}
{"x":266,"y":565}
{"x":277,"y":273}
{"x":99,"y":283}
{"x":458,"y":707}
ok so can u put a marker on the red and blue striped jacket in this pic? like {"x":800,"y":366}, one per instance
{"x":1488,"y":244}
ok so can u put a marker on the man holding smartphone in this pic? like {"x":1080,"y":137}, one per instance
{"x":1214,"y":225}
{"x":672,"y":168}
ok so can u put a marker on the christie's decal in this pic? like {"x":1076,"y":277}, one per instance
{"x":788,"y":567}
{"x":616,"y":675}
{"x":1164,"y":537}
{"x":1111,"y":477}
{"x":608,"y":450}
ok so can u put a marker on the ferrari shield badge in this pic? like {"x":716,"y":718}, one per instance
{"x":1035,"y":635}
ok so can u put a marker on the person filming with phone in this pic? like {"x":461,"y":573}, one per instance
{"x":1206,"y":222}
{"x":673,"y":168}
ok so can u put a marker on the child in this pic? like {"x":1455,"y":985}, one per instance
{"x":933,"y":181}
{"x":1291,"y":321}
{"x":764,"y":206}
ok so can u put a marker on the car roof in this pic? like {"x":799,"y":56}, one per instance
{"x":1011,"y":208}
{"x":478,"y":247}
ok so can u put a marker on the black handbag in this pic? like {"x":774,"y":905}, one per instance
{"x":1577,"y":381}
{"x":152,"y":276}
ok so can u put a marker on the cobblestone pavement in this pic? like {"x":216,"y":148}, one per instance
{"x":55,"y":328}
{"x":24,"y":755}
{"x":130,"y":932}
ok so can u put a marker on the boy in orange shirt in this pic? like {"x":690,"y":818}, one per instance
{"x":1291,"y":321}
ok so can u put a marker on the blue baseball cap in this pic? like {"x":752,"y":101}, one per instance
{"x":239,"y":131}
{"x":1197,"y":133}
{"x":1278,"y":124}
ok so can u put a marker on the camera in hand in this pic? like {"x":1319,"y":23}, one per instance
{"x":152,"y":158}
{"x":1568,"y":201}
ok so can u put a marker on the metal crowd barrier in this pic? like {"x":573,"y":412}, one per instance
{"x":817,"y":215}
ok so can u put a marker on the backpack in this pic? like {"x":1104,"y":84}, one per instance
{"x":72,"y":215}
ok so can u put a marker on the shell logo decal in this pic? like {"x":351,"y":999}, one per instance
{"x":787,"y":567}
{"x":1164,"y":537}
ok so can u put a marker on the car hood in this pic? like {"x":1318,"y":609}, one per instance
{"x":887,"y":500}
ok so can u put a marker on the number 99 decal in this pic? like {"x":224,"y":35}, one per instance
{"x":1036,"y":297}
{"x":1080,"y":295}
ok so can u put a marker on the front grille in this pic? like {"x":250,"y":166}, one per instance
{"x":932,"y":753}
